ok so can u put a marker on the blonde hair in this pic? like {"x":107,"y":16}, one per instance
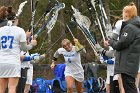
{"x":65,"y":41}
{"x":131,"y":10}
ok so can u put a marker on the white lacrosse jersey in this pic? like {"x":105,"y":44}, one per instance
{"x":117,"y":27}
{"x":10,"y":37}
{"x":25,"y":63}
{"x":72,"y":60}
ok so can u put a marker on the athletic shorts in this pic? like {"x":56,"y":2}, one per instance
{"x":10,"y":70}
{"x":79,"y":76}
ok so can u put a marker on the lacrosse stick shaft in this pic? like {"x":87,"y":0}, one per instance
{"x":70,"y":31}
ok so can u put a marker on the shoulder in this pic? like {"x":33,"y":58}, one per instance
{"x":119,"y":22}
{"x":131,"y":29}
{"x":2,"y":29}
{"x":74,"y":48}
{"x":18,"y":28}
{"x":61,"y":49}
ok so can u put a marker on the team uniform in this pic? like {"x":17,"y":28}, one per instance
{"x":117,"y":27}
{"x":26,"y":74}
{"x":115,"y":86}
{"x":110,"y":72}
{"x":29,"y":66}
{"x":73,"y":63}
{"x":110,"y":68}
{"x":10,"y":38}
{"x":112,"y":79}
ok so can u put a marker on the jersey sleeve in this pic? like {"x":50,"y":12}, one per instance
{"x":117,"y":28}
{"x":58,"y":52}
{"x":22,"y":36}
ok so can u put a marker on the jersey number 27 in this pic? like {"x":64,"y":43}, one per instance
{"x":7,"y":41}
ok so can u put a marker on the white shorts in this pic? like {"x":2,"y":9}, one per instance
{"x":30,"y":75}
{"x":79,"y":76}
{"x":116,"y":77}
{"x":10,"y":70}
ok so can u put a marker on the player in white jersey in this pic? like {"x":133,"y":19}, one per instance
{"x":26,"y":78}
{"x":27,"y":74}
{"x":27,"y":60}
{"x":74,"y":71}
{"x":12,"y":40}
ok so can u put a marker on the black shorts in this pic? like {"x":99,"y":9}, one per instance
{"x":114,"y":86}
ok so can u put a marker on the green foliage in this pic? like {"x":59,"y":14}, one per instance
{"x":115,"y":9}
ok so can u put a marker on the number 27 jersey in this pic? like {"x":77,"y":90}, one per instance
{"x":10,"y":38}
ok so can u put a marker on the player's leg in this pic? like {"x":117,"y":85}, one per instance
{"x":12,"y":84}
{"x":79,"y":86}
{"x":29,"y":79}
{"x":69,"y":82}
{"x":3,"y":84}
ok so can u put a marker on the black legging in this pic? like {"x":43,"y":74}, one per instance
{"x":22,"y":81}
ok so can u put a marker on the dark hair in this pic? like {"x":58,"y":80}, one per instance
{"x":11,"y":13}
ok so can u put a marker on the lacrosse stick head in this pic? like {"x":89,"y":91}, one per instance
{"x":78,"y":47}
{"x":21,"y":8}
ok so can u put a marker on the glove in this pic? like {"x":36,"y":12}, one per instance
{"x":102,"y":59}
{"x":35,"y":57}
{"x":42,"y":56}
{"x":110,"y":62}
{"x":105,"y":58}
{"x":79,"y":47}
{"x":98,"y":48}
{"x":109,"y":34}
